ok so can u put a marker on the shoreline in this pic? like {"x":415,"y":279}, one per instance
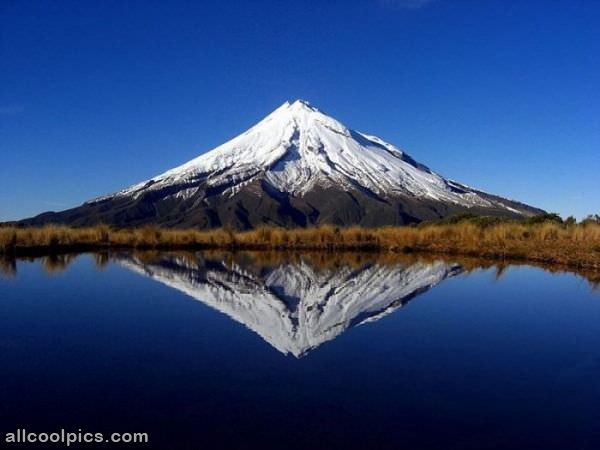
{"x":576,"y":246}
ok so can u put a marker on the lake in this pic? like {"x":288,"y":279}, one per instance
{"x":319,"y":351}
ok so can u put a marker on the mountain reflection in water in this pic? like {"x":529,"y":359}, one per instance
{"x":294,"y":301}
{"x":294,"y":305}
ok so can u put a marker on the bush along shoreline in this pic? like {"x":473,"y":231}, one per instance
{"x":546,"y":239}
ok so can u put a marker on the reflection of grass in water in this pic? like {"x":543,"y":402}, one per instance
{"x":54,"y":264}
{"x":8,"y":267}
{"x":257,"y":261}
{"x":101,"y":260}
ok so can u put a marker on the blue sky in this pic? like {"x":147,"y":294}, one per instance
{"x":500,"y":95}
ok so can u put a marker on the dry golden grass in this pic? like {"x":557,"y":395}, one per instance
{"x":576,"y":245}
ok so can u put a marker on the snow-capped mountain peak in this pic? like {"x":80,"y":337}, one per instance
{"x":298,"y":166}
{"x":297,"y":147}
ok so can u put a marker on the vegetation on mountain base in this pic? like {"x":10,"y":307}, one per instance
{"x":546,"y":239}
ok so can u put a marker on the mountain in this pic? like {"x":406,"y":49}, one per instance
{"x":296,"y":167}
{"x":295,"y":306}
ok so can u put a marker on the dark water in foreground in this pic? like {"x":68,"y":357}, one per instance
{"x":213,"y":352}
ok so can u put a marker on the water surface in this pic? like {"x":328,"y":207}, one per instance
{"x":301,"y":351}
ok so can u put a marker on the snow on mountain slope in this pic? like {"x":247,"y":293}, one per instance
{"x":296,"y":307}
{"x":297,"y":147}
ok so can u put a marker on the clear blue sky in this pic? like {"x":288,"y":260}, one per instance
{"x":501,"y":95}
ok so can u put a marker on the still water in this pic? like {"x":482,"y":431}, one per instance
{"x":301,"y":351}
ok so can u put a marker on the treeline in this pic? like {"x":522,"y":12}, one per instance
{"x":591,"y":219}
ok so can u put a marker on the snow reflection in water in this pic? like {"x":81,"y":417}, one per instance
{"x":295,"y":305}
